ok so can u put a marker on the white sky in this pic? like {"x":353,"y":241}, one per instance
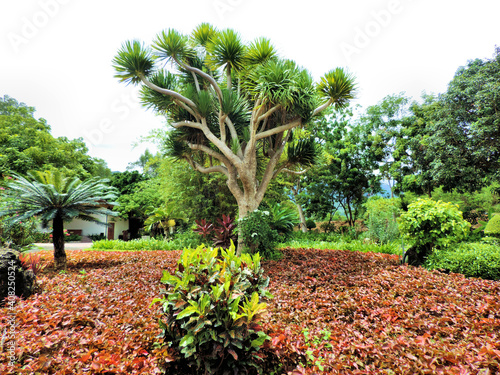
{"x":55,"y":55}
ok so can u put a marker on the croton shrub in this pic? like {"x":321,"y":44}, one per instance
{"x":212,"y":308}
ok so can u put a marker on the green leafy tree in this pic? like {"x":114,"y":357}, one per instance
{"x":57,"y":198}
{"x":147,"y":164}
{"x":196,"y":195}
{"x":389,"y":120}
{"x":346,"y":173}
{"x":452,"y":140}
{"x":26,"y":144}
{"x":233,"y":106}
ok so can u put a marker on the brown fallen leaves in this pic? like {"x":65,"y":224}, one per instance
{"x":332,"y":312}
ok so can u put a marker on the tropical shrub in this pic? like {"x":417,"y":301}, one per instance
{"x":211,"y":310}
{"x":471,"y":259}
{"x":258,"y":234}
{"x":431,"y":225}
{"x":493,"y":227}
{"x":32,"y":262}
{"x":310,"y":224}
{"x":19,"y":235}
{"x":284,"y":218}
{"x":328,"y":227}
{"x":224,"y":232}
{"x":380,"y":218}
{"x":97,"y":237}
{"x":204,"y":228}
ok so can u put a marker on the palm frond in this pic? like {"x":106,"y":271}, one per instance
{"x":132,"y":60}
{"x":203,"y":34}
{"x":260,"y":51}
{"x":339,"y":86}
{"x":226,"y":48}
{"x":170,"y":44}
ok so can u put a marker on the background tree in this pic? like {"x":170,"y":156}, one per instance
{"x":346,"y":173}
{"x":57,"y":198}
{"x":388,"y":120}
{"x":26,"y":144}
{"x":240,"y":130}
{"x":452,"y":140}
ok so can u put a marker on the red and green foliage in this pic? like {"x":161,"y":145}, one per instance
{"x":204,"y":228}
{"x":32,"y":262}
{"x":336,"y":312}
{"x":223,"y":233}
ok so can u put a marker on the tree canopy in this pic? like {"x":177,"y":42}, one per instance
{"x":27,"y":145}
{"x":233,"y":106}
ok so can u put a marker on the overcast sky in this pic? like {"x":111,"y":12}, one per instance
{"x":55,"y":55}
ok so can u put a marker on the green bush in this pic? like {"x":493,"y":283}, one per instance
{"x":211,"y":310}
{"x":493,"y":227}
{"x":339,"y":244}
{"x":431,"y":225}
{"x":258,"y":234}
{"x":284,"y":218}
{"x":97,"y":237}
{"x":380,"y":218}
{"x":310,"y":224}
{"x":20,"y":235}
{"x":470,"y":259}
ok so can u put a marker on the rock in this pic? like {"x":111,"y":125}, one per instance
{"x":14,"y":279}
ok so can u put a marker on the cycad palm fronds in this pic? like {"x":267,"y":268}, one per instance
{"x":57,"y":198}
{"x":50,"y":194}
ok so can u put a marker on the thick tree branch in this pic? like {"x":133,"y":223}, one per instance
{"x":269,"y":172}
{"x":226,"y":151}
{"x":234,"y":135}
{"x":202,"y":74}
{"x":213,"y":169}
{"x":322,"y":107}
{"x":209,"y":151}
{"x":269,"y":113}
{"x":189,"y":124}
{"x":289,"y":171}
{"x":278,"y":129}
{"x":168,"y":92}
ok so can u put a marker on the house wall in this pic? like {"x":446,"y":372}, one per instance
{"x":89,"y":228}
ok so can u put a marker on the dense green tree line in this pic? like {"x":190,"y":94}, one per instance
{"x":26,"y":144}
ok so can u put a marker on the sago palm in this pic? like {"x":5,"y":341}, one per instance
{"x":57,"y":198}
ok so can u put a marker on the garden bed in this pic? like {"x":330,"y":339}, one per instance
{"x":332,"y":312}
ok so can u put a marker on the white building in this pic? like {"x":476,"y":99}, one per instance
{"x":85,"y":228}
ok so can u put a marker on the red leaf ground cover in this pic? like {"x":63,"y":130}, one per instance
{"x":332,"y":312}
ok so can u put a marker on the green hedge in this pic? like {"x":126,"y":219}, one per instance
{"x":470,"y":259}
{"x":148,"y":244}
{"x":393,"y":247}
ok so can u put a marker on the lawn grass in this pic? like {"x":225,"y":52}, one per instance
{"x":338,"y":312}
